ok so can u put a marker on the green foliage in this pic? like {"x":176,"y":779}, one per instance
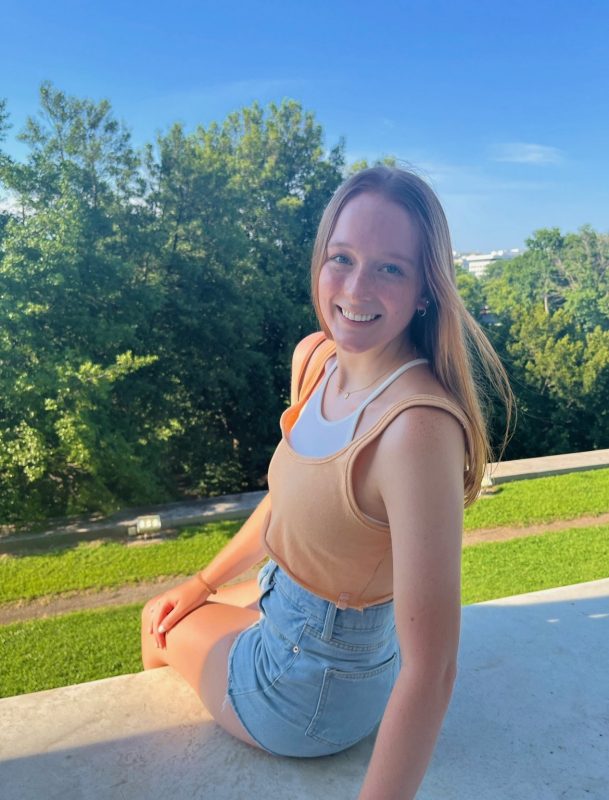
{"x":150,"y":303}
{"x":471,"y":291}
{"x":553,"y":309}
{"x":96,"y":565}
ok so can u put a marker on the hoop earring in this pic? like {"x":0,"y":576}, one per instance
{"x":423,"y":311}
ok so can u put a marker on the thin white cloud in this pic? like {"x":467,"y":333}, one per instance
{"x":526,"y":153}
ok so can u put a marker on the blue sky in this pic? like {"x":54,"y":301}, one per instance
{"x":502,"y":106}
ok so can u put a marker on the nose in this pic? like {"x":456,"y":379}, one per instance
{"x":359,"y":285}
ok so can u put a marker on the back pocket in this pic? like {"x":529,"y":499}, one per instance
{"x":351,"y":703}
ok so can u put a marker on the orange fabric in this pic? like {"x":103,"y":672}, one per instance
{"x":307,"y":371}
{"x":316,"y":532}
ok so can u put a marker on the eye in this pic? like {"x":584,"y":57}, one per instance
{"x":392,"y":269}
{"x":339,"y":258}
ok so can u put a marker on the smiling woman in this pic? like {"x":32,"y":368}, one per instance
{"x":355,"y":618}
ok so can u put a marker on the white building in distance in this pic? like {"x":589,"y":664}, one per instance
{"x":478,"y":262}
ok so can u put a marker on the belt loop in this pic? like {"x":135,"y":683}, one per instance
{"x":329,"y":622}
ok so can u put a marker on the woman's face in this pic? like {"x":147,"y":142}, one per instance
{"x":371,"y":282}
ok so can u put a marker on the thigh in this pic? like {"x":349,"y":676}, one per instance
{"x":244,"y":594}
{"x":198,"y":648}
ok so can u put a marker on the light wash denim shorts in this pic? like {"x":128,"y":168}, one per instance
{"x":309,"y":679}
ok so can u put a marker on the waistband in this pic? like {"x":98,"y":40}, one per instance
{"x":370,"y":618}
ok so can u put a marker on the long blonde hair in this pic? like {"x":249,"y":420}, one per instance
{"x":461,"y":356}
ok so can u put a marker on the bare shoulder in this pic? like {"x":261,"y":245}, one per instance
{"x":423,"y":433}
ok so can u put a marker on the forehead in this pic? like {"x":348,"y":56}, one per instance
{"x":372,"y":223}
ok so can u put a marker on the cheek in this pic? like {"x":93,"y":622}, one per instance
{"x":325,"y":286}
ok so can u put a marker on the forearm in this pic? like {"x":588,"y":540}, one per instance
{"x":406,"y":737}
{"x":243,"y":550}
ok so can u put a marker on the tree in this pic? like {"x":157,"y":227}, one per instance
{"x":68,"y":308}
{"x":236,"y":210}
{"x":150,"y":303}
{"x":551,"y":303}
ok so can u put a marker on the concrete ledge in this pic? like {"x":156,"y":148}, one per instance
{"x":521,"y":468}
{"x":529,"y":720}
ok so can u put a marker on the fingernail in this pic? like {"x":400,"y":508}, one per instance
{"x":161,"y":629}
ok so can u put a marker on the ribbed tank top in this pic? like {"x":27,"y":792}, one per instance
{"x":315,"y":530}
{"x":314,"y":435}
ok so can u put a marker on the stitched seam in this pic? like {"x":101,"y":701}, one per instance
{"x":352,"y":648}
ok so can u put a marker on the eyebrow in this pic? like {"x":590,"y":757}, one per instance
{"x":395,"y":256}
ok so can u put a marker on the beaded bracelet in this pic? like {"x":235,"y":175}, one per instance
{"x":209,"y":588}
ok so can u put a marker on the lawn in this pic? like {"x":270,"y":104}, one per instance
{"x":90,"y":645}
{"x":522,"y":503}
{"x":96,"y":566}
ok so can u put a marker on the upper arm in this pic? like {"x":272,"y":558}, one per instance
{"x":421,"y":457}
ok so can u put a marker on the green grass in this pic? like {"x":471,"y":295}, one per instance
{"x":96,"y":566}
{"x":532,"y":563}
{"x":90,"y":645}
{"x":522,"y":503}
{"x":75,"y":648}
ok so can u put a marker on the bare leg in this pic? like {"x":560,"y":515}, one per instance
{"x":244,"y":594}
{"x":198,"y":647}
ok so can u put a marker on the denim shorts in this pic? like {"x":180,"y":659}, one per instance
{"x":309,"y":679}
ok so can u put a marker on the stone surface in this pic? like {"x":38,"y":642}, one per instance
{"x":521,"y":468}
{"x":529,"y":720}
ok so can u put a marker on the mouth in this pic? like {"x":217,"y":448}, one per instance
{"x":360,"y":319}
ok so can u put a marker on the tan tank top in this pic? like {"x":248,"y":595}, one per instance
{"x":315,"y":530}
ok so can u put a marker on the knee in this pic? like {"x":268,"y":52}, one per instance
{"x":146,"y":614}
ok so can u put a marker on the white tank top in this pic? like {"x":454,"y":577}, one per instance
{"x":314,"y":436}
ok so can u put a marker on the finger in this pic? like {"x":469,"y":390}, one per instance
{"x":173,"y":617}
{"x":161,"y":625}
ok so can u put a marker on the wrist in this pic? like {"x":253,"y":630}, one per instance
{"x":206,"y":584}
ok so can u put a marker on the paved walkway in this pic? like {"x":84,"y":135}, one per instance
{"x":529,"y":720}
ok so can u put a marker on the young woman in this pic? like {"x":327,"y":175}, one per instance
{"x":355,"y":618}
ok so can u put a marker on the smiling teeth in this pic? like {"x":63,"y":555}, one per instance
{"x":358,"y":317}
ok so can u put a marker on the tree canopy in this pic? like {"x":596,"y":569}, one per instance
{"x":150,"y":302}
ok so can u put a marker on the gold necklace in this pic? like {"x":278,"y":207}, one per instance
{"x":354,"y":391}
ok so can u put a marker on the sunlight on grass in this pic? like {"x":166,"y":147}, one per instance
{"x":501,"y":569}
{"x":522,"y":503}
{"x":111,"y":564}
{"x":75,"y":648}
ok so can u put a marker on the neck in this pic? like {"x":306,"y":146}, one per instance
{"x":356,"y":370}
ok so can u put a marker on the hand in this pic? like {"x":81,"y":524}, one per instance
{"x":171,"y":606}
